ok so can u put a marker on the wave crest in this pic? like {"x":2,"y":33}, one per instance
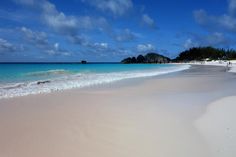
{"x":78,"y":81}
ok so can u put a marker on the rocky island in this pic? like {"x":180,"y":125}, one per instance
{"x":148,"y":58}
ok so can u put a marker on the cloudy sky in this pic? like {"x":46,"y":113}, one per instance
{"x":109,"y":30}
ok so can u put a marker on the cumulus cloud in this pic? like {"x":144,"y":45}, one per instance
{"x":221,"y":28}
{"x":99,"y":49}
{"x":224,"y":22}
{"x":190,"y":43}
{"x":106,"y":51}
{"x":215,"y":39}
{"x":148,"y":21}
{"x":40,"y":40}
{"x":56,"y":46}
{"x":116,"y":7}
{"x":61,"y":23}
{"x":145,"y":48}
{"x":79,"y":39}
{"x":101,"y":45}
{"x":71,"y":26}
{"x":124,"y":35}
{"x":87,"y":22}
{"x":37,"y":38}
{"x":54,"y":52}
{"x":6,"y":47}
{"x":66,"y":25}
{"x":52,"y":17}
{"x":232,"y":7}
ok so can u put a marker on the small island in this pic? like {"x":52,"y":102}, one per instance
{"x":148,"y":58}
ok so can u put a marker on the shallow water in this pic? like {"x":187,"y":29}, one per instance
{"x":25,"y":79}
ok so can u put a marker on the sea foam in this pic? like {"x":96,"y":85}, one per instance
{"x":78,"y":81}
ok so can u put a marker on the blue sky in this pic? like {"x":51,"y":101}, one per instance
{"x":109,"y":30}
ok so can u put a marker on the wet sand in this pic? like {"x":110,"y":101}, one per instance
{"x":166,"y":116}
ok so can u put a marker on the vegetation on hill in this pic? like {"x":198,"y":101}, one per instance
{"x":148,"y":58}
{"x":202,"y":53}
{"x":192,"y":54}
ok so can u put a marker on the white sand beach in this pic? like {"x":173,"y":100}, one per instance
{"x":189,"y":113}
{"x":218,"y":127}
{"x":231,"y":65}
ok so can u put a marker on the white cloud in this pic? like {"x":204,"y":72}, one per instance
{"x":124,"y":35}
{"x":6,"y":46}
{"x":232,"y":7}
{"x":101,"y":45}
{"x":73,"y":27}
{"x":51,"y":16}
{"x":63,"y":24}
{"x":68,"y":25}
{"x":145,"y":47}
{"x":224,"y":22}
{"x":116,"y":7}
{"x":148,"y":21}
{"x":40,"y":40}
{"x":54,"y":52}
{"x":56,"y":46}
{"x":37,"y":38}
{"x":190,"y":43}
{"x":215,"y":39}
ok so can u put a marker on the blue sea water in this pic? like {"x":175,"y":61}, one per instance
{"x":24,"y":79}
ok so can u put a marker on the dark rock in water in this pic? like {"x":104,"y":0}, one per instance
{"x":83,"y":62}
{"x":42,"y":82}
{"x":148,"y":58}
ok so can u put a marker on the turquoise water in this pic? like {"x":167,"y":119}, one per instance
{"x":30,"y":72}
{"x":23,"y":79}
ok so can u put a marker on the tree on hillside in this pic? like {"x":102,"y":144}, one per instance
{"x":202,"y":53}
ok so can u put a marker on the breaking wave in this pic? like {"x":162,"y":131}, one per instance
{"x":77,"y":80}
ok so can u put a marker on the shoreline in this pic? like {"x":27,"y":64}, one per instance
{"x":142,"y":118}
{"x":230,"y":67}
{"x":79,"y":81}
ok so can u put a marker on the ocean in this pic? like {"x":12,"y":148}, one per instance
{"x":24,"y":79}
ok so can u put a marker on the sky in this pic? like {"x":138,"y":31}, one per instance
{"x":110,"y":30}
